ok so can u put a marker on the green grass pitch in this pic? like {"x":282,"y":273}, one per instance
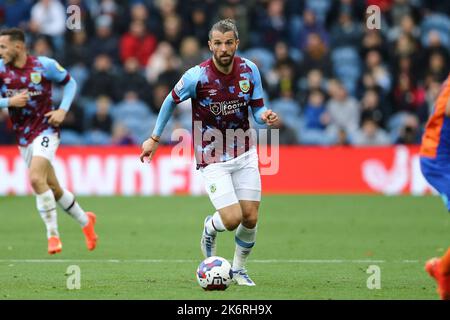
{"x":308,"y":247}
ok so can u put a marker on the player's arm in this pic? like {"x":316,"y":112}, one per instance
{"x":184,"y":89}
{"x":17,"y":101}
{"x":150,"y":145}
{"x":58,"y":74}
{"x":261,"y":114}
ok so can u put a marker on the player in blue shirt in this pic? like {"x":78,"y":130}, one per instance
{"x":222,"y":89}
{"x":26,"y":90}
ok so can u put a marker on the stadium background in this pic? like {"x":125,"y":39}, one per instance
{"x":334,"y":82}
{"x":354,"y":102}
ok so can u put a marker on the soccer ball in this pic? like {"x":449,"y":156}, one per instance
{"x":214,"y":273}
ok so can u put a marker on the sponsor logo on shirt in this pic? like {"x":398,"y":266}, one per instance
{"x":227,"y":107}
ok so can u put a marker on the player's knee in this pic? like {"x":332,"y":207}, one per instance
{"x":231,"y":220}
{"x":37,"y":180}
{"x":250,"y":221}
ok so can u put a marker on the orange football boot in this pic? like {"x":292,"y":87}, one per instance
{"x":443,"y":281}
{"x":89,"y":232}
{"x":54,"y":245}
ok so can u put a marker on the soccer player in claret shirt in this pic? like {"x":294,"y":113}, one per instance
{"x":222,"y":89}
{"x":435,"y":166}
{"x":26,"y":90}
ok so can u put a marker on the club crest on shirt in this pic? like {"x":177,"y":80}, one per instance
{"x":213,"y":188}
{"x":244,"y":85}
{"x":35,"y":77}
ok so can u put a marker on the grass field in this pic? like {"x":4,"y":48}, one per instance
{"x":308,"y":247}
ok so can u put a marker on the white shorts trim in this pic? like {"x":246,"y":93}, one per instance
{"x":44,"y":145}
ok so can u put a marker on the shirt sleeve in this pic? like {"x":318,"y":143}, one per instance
{"x":54,"y":71}
{"x":256,"y":100}
{"x":186,"y":87}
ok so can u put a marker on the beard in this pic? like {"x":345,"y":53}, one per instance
{"x":222,"y":63}
{"x":11,"y":58}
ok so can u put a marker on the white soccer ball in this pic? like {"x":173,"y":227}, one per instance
{"x":214,"y":273}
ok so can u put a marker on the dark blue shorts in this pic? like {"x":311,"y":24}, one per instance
{"x":437,"y":173}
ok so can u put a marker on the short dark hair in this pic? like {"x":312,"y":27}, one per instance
{"x":225,"y":26}
{"x":15,"y":34}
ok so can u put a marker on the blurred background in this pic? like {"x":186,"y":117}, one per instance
{"x":333,"y":81}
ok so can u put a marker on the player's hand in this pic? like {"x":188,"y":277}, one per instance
{"x":269,"y":117}
{"x":56,"y":117}
{"x":149,"y":147}
{"x":19,"y":100}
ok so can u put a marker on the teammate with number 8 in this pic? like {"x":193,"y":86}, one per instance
{"x":26,"y":90}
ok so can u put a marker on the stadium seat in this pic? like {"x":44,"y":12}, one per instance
{"x":439,"y":23}
{"x":261,"y":55}
{"x":347,"y":66}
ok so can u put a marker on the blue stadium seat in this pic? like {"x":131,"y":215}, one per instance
{"x":347,"y":66}
{"x":70,"y":137}
{"x":441,"y":24}
{"x":96,"y":137}
{"x":265,"y":58}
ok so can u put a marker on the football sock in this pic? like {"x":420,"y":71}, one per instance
{"x":46,"y":205}
{"x":445,"y":263}
{"x":215,"y":224}
{"x":245,"y":240}
{"x":71,"y":206}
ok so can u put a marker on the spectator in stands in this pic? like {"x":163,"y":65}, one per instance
{"x":316,"y":56}
{"x":190,"y":53}
{"x":6,"y":134}
{"x":162,"y":60}
{"x":104,"y":41}
{"x":437,"y":66}
{"x":372,"y":108}
{"x":135,"y":115}
{"x":74,"y":120}
{"x":410,"y":132}
{"x":375,"y":65}
{"x":101,"y":80}
{"x":77,"y":51}
{"x":198,"y":22}
{"x":343,"y":110}
{"x":16,"y":13}
{"x":273,"y":25}
{"x":102,"y":120}
{"x":48,"y":17}
{"x":370,"y":134}
{"x":42,"y":47}
{"x":314,"y":81}
{"x":131,"y":79}
{"x":121,"y":136}
{"x":346,"y":32}
{"x":137,"y":43}
{"x":311,"y":26}
{"x":316,"y":120}
{"x":408,"y":96}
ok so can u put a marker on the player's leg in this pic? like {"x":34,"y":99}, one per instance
{"x":219,"y":186}
{"x":45,"y":201}
{"x":247,"y":183}
{"x":68,"y":202}
{"x":438,"y":175}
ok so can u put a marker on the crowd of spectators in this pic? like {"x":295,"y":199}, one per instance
{"x":333,"y":80}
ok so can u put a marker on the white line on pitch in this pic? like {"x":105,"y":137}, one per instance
{"x":293,"y":261}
